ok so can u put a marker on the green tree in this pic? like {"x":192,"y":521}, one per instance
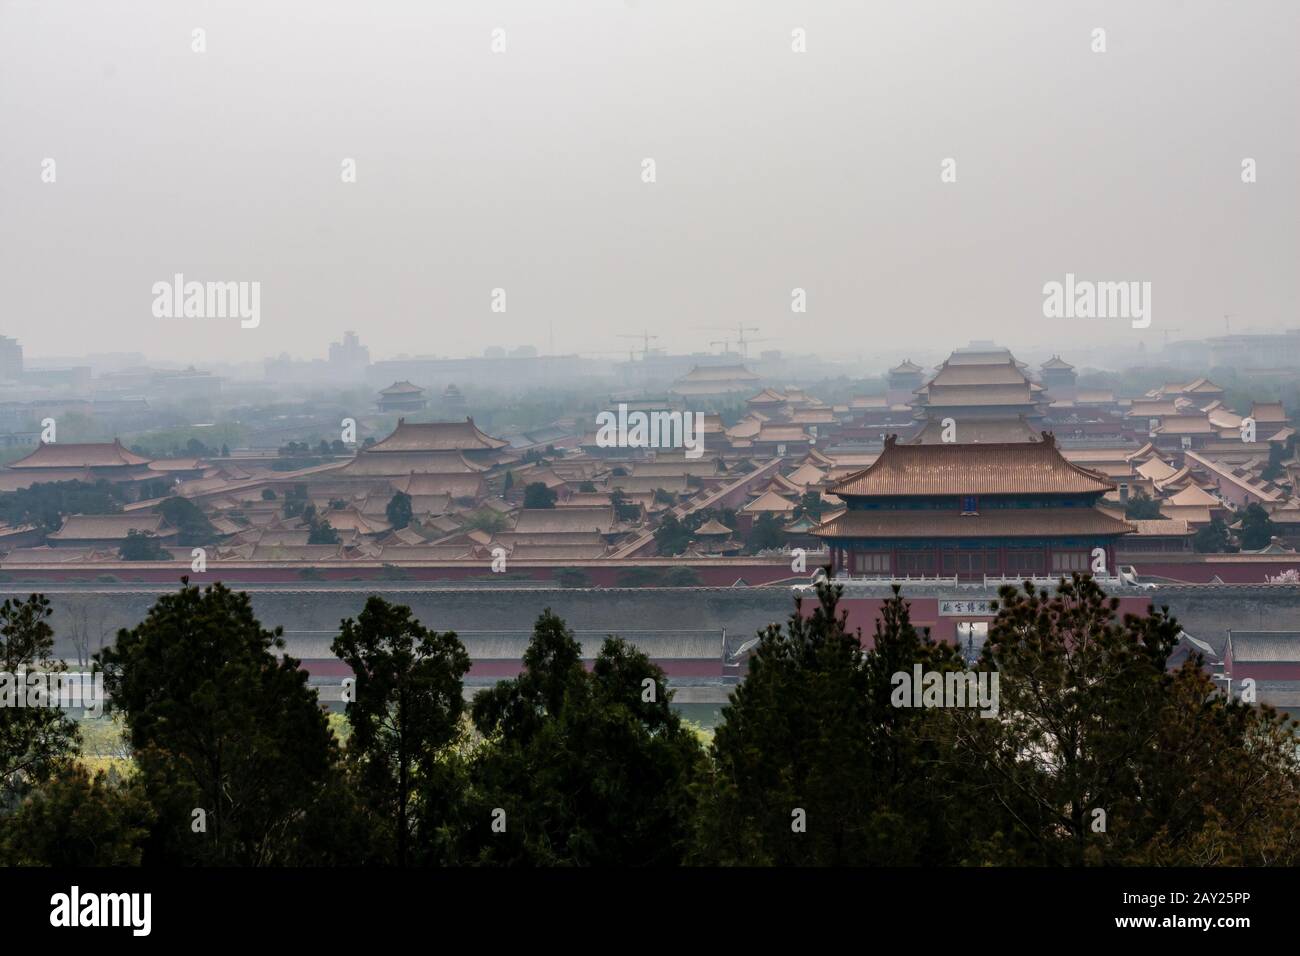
{"x":1277,"y":453}
{"x":1213,"y":538}
{"x":671,"y":536}
{"x":405,"y":712}
{"x":320,"y":531}
{"x":1100,"y":755}
{"x":154,"y":488}
{"x":810,"y":504}
{"x":232,"y":747}
{"x":1142,"y":507}
{"x":399,"y":510}
{"x":589,"y":768}
{"x":696,"y":519}
{"x":537,"y":495}
{"x":765,"y":533}
{"x":189,"y":519}
{"x":624,"y":510}
{"x":812,"y":736}
{"x":142,"y":546}
{"x":34,"y":741}
{"x":46,"y":503}
{"x":76,"y":819}
{"x":295,"y":501}
{"x":1257,"y":528}
{"x":485,"y":519}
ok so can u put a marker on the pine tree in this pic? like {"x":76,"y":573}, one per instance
{"x":233,"y":750}
{"x":34,"y":741}
{"x":588,"y":768}
{"x":399,"y":511}
{"x":1100,"y":756}
{"x":812,"y":737}
{"x":405,"y":710}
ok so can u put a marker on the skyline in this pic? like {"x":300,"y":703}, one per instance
{"x":775,"y":171}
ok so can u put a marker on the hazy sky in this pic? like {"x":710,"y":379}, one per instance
{"x":522,"y":170}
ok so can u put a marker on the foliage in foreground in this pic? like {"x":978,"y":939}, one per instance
{"x":1097,"y":753}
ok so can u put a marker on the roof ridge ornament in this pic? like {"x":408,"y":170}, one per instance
{"x":1049,"y":439}
{"x":891,"y":441}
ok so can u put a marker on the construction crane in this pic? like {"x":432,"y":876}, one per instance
{"x":740,"y":329}
{"x":725,"y":343}
{"x":645,"y":337}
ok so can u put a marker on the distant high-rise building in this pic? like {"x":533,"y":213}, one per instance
{"x":11,"y":359}
{"x":349,"y":356}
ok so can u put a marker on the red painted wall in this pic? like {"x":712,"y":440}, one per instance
{"x":864,"y":612}
{"x":1265,"y":671}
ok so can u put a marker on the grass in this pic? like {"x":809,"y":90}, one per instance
{"x":103,"y":745}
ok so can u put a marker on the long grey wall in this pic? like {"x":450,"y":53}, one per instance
{"x":311,"y":618}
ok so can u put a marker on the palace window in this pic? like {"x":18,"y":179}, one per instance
{"x":916,"y":562}
{"x":971,"y":562}
{"x":969,"y":504}
{"x":870,"y":563}
{"x":1071,"y":561}
{"x":1026,"y":562}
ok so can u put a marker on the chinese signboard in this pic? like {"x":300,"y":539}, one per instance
{"x":976,"y":608}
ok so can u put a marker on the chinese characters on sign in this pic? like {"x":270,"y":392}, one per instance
{"x":978,"y":608}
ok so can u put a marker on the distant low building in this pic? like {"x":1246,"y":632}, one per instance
{"x":453,"y":402}
{"x":1059,"y":378}
{"x":903,"y":381}
{"x":110,"y":531}
{"x":74,"y":461}
{"x":402,"y":397}
{"x":706,"y":381}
